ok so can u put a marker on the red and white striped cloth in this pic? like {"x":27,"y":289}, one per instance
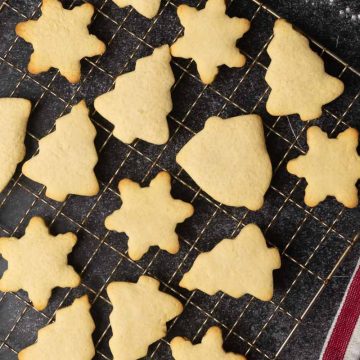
{"x":343,"y":339}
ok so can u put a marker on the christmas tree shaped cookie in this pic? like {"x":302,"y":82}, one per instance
{"x":37,"y":262}
{"x":149,"y":215}
{"x":210,"y":38}
{"x":14,"y":114}
{"x":60,"y":39}
{"x":141,"y":100}
{"x":67,"y":157}
{"x":147,"y":8}
{"x":228,"y":160}
{"x":210,"y":348}
{"x":243,"y":265}
{"x":139,"y":316}
{"x":296,"y":75}
{"x":331,"y":167}
{"x":69,"y":337}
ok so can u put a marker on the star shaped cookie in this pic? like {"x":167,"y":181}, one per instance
{"x":210,"y":38}
{"x":331,"y":167}
{"x":210,"y":348}
{"x":37,"y":262}
{"x":149,"y":215}
{"x":60,"y":39}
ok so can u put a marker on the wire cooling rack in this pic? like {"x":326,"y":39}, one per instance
{"x":313,"y":242}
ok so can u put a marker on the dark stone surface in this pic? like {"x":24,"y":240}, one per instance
{"x":311,"y":240}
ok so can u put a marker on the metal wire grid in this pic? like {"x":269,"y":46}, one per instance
{"x":209,"y":313}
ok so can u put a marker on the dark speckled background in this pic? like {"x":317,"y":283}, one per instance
{"x":317,"y":259}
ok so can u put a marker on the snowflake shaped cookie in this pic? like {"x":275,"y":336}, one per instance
{"x":210,"y":38}
{"x":149,"y":215}
{"x":60,"y":39}
{"x":37,"y":262}
{"x":331,"y":167}
{"x":147,"y":8}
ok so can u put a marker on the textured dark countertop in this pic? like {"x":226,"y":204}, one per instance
{"x":313,"y":242}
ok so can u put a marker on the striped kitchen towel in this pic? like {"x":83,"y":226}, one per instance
{"x":343,"y":339}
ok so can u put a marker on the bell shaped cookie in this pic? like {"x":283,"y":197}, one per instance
{"x":229,"y":161}
{"x":239,"y":266}
{"x":297,"y":77}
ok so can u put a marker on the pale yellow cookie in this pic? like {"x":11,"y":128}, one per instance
{"x":67,"y":157}
{"x":228,"y":160}
{"x":68,"y":338}
{"x":141,"y":100}
{"x":37,"y":262}
{"x":297,"y":77}
{"x":149,"y":215}
{"x":14,"y":114}
{"x":239,"y":266}
{"x":331,"y":167}
{"x":210,"y":38}
{"x":60,"y":39}
{"x":210,"y":348}
{"x":147,"y":8}
{"x":139,"y":316}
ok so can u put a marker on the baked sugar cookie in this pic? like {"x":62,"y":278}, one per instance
{"x":141,"y":100}
{"x":69,"y":337}
{"x":147,"y":8}
{"x":297,"y":77}
{"x":139,"y":316}
{"x":67,"y":157}
{"x":37,"y":262}
{"x":239,"y":266}
{"x":149,"y":215}
{"x":60,"y":39}
{"x":210,"y":348}
{"x":228,"y":160}
{"x":14,"y":114}
{"x":331,"y":167}
{"x":210,"y":38}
